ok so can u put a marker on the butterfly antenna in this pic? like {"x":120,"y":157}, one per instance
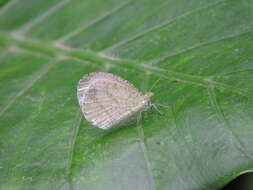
{"x":155,"y":83}
{"x":155,"y":105}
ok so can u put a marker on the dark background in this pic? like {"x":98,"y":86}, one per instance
{"x":243,"y":182}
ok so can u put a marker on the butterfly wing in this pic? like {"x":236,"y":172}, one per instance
{"x":106,"y":99}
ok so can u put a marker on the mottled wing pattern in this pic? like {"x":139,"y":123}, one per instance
{"x":106,"y":99}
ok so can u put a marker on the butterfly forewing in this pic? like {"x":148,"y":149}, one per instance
{"x":106,"y":99}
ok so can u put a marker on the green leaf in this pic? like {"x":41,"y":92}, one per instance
{"x":200,"y":51}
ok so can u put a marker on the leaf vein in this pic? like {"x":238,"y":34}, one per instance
{"x":156,"y":27}
{"x":221,"y":116}
{"x":72,"y":143}
{"x":163,"y":58}
{"x":39,"y":76}
{"x":35,"y":21}
{"x":140,"y":134}
{"x":91,"y":23}
{"x":7,"y":6}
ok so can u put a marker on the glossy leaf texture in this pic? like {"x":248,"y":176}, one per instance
{"x":197,"y":55}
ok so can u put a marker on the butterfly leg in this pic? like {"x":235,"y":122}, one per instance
{"x":156,"y":108}
{"x":162,"y":105}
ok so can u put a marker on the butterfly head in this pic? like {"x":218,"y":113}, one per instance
{"x":148,"y":95}
{"x":146,"y":100}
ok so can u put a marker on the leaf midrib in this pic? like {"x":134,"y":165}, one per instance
{"x":89,"y":57}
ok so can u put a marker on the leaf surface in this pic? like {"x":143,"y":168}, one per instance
{"x":197,"y":54}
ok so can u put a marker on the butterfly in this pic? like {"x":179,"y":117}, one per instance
{"x":106,"y":99}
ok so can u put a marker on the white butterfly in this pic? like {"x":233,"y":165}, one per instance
{"x":107,"y":99}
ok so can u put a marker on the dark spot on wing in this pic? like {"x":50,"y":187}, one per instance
{"x":91,"y":93}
